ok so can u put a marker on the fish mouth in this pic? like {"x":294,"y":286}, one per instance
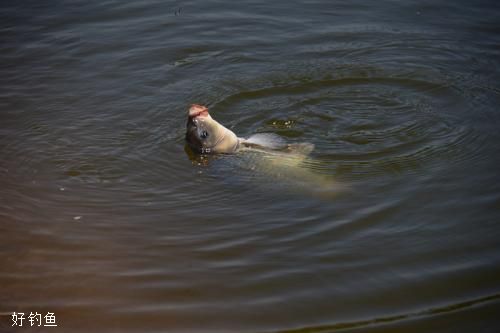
{"x":197,"y":110}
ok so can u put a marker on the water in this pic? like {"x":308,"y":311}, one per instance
{"x":107,"y":221}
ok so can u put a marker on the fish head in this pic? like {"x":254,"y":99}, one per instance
{"x":205,"y":135}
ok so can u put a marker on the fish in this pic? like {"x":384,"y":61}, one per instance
{"x":265,"y":152}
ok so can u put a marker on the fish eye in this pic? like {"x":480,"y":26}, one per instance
{"x":204,"y":135}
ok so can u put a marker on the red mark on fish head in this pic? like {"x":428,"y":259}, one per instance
{"x":197,"y":110}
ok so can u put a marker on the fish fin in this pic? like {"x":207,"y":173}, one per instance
{"x":267,"y":140}
{"x":301,"y":148}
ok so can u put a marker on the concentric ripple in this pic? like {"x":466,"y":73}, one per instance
{"x":363,"y":122}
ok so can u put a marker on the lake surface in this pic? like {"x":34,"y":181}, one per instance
{"x":109,"y":222}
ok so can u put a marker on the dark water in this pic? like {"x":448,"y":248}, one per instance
{"x":106,"y":221}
